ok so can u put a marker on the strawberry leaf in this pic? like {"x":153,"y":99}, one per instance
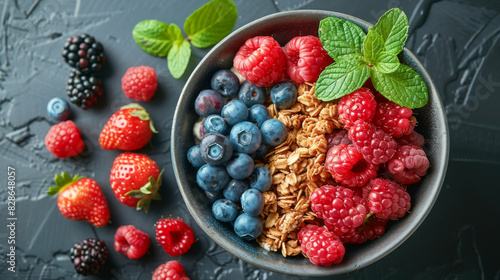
{"x":62,"y":181}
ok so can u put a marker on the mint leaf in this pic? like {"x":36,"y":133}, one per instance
{"x":386,"y":62}
{"x":372,"y":46}
{"x":403,"y":86}
{"x":211,"y":23}
{"x":156,"y":37}
{"x":393,"y":27}
{"x":178,"y":58}
{"x":342,"y":39}
{"x":341,"y":78}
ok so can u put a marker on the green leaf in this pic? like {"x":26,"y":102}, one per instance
{"x":403,"y":86}
{"x":341,"y":78}
{"x":386,"y":62}
{"x":341,"y":39}
{"x":372,"y":46}
{"x":178,"y":58}
{"x":155,"y":37}
{"x":62,"y":181}
{"x":211,"y":23}
{"x":393,"y":27}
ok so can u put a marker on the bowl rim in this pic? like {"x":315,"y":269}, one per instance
{"x":320,"y":271}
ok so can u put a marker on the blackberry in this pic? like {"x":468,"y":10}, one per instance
{"x":83,"y":89}
{"x":89,"y":256}
{"x":84,"y":53}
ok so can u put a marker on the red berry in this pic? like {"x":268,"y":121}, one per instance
{"x":131,"y":242}
{"x":320,"y":245}
{"x":409,"y":164}
{"x":261,"y":61}
{"x":358,"y":105}
{"x":414,"y":138}
{"x":175,"y":236}
{"x":388,"y":200}
{"x":348,"y":167}
{"x":394,"y":119}
{"x":374,"y":144}
{"x":305,"y":59}
{"x":337,"y":137}
{"x":371,"y":228}
{"x":63,"y":140}
{"x":139,"y":83}
{"x":339,"y":208}
{"x":171,"y":270}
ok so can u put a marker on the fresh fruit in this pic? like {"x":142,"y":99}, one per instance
{"x":216,"y":149}
{"x":245,"y":137}
{"x":337,"y":137}
{"x":371,"y":228}
{"x":58,"y":109}
{"x":212,"y":178}
{"x":409,"y":164}
{"x":261,"y":61}
{"x":388,"y":200}
{"x":89,"y":256}
{"x":240,"y":166}
{"x":225,"y":210}
{"x":251,"y":94}
{"x":284,"y":95}
{"x":215,"y":124}
{"x":129,"y":129}
{"x":84,"y":90}
{"x":140,"y":83}
{"x":273,"y":132}
{"x":394,"y":119}
{"x":208,"y":102}
{"x":358,"y":105}
{"x":320,"y":245}
{"x":234,"y":112}
{"x":194,"y":156}
{"x":63,"y":140}
{"x":213,"y":196}
{"x":257,"y":114}
{"x":374,"y":144}
{"x":174,"y":236}
{"x":248,"y":227}
{"x":252,"y":202}
{"x":131,"y":242}
{"x":234,"y":190}
{"x":80,"y":199}
{"x":135,"y":180}
{"x":414,"y":138}
{"x":171,"y":270}
{"x":84,"y":53}
{"x":305,"y":59}
{"x":225,"y":82}
{"x":261,"y":151}
{"x":261,"y":179}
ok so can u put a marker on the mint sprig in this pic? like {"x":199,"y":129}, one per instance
{"x":205,"y":27}
{"x":359,"y":56}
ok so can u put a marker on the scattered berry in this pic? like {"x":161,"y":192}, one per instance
{"x":234,"y":112}
{"x":131,"y":242}
{"x":245,"y":137}
{"x":409,"y":164}
{"x":194,"y":156}
{"x":212,"y":178}
{"x":225,"y":82}
{"x":337,"y":137}
{"x":89,"y":256}
{"x":240,"y":166}
{"x":261,"y":61}
{"x":388,"y":200}
{"x":140,"y":83}
{"x":63,"y":140}
{"x":174,"y":236}
{"x":248,"y":227}
{"x":58,"y":109}
{"x":320,"y":245}
{"x":273,"y":132}
{"x":305,"y":59}
{"x":414,"y":138}
{"x":358,"y":105}
{"x":257,"y":114}
{"x":225,"y":210}
{"x":251,"y":94}
{"x":394,"y":119}
{"x":252,"y":202}
{"x":84,"y":53}
{"x":374,"y":144}
{"x":84,"y":90}
{"x":261,"y":179}
{"x":371,"y":228}
{"x":171,"y":270}
{"x":284,"y":95}
{"x":216,"y":149}
{"x":208,"y":102}
{"x":235,"y":189}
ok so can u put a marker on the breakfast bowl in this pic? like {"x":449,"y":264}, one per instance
{"x":282,"y":27}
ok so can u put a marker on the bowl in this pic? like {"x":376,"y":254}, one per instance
{"x":284,"y":26}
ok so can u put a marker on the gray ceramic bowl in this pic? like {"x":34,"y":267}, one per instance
{"x":283,"y":27}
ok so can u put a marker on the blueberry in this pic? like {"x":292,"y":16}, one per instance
{"x":284,"y":95}
{"x":58,"y":109}
{"x":258,"y":114}
{"x":261,"y":151}
{"x":212,"y":178}
{"x":215,"y":123}
{"x":261,"y":179}
{"x":273,"y":132}
{"x":235,"y":189}
{"x":252,"y":202}
{"x":216,"y":149}
{"x":213,"y":196}
{"x":248,"y":227}
{"x":234,"y":112}
{"x":240,"y":166}
{"x":245,"y":137}
{"x":194,"y":156}
{"x":208,"y":102}
{"x":199,"y":130}
{"x":226,"y":83}
{"x":251,"y":94}
{"x":225,"y":210}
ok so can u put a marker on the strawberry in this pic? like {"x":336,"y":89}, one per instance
{"x":135,"y":180}
{"x":128,"y":129}
{"x":80,"y":199}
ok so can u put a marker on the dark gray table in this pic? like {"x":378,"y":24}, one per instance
{"x":456,"y":40}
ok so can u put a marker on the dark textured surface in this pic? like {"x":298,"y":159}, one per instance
{"x":457,"y":41}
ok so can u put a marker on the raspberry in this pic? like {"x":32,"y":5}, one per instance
{"x":371,"y":228}
{"x":388,"y":200}
{"x":175,"y":236}
{"x":339,"y":208}
{"x":89,"y":256}
{"x":414,"y":138}
{"x":131,"y":242}
{"x":320,"y":245}
{"x":261,"y":61}
{"x":348,"y":167}
{"x":139,"y":83}
{"x":394,"y":119}
{"x":374,"y":144}
{"x":171,"y":270}
{"x":337,"y":137}
{"x":305,"y":59}
{"x":358,"y":105}
{"x":409,"y":164}
{"x":63,"y":140}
